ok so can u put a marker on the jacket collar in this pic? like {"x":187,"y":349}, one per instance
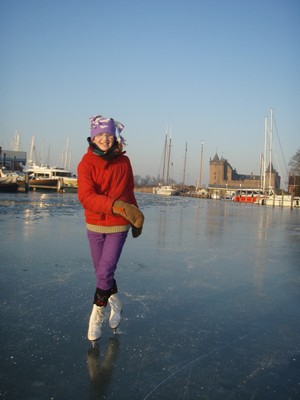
{"x":114,"y":152}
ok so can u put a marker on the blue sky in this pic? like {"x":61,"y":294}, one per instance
{"x":208,"y":70}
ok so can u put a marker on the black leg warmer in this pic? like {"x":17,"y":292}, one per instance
{"x":101,"y":296}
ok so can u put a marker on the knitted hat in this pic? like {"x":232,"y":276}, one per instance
{"x":99,"y":124}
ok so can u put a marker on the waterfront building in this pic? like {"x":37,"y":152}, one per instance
{"x":12,"y":160}
{"x":294,"y":184}
{"x":224,"y":178}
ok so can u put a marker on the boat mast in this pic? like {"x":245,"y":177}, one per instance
{"x":271,"y":149}
{"x":165,"y":157}
{"x":169,"y":158}
{"x":199,"y":182}
{"x":184,"y":165}
{"x":66,"y":154}
{"x":265,"y":155}
{"x":48,"y":156}
{"x":30,"y":161}
{"x":16,"y":142}
{"x":69,"y":161}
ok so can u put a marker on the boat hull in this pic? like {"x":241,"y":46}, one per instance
{"x":45,"y":184}
{"x":165,"y":191}
{"x":9,"y":187}
{"x":281,"y":201}
{"x":248,"y":196}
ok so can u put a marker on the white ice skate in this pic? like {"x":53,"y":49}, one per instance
{"x":115,"y":311}
{"x":95,"y":323}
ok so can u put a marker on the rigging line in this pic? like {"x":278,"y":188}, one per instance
{"x":278,"y":166}
{"x":159,"y":177}
{"x":286,"y":170}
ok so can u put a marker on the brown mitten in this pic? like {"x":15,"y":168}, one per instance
{"x":129,"y":212}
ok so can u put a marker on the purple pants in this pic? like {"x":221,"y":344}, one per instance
{"x":106,"y":250}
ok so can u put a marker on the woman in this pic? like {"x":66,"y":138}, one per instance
{"x":105,"y":190}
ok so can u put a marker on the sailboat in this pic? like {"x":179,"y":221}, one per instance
{"x":269,"y":196}
{"x":47,"y":177}
{"x":164,"y":188}
{"x":11,"y":179}
{"x":8,"y":183}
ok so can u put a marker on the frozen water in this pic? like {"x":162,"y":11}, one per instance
{"x":210,"y":295}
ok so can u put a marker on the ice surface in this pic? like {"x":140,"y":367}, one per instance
{"x":210,"y":295}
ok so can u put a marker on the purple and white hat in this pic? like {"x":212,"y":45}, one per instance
{"x":100,"y":124}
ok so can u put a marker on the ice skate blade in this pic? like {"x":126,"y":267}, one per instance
{"x":94,"y":341}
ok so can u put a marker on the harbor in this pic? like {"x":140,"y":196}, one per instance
{"x":210,"y":294}
{"x":23,"y":183}
{"x":19,"y":174}
{"x":225,"y":183}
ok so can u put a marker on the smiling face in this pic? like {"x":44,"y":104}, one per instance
{"x":104,"y":141}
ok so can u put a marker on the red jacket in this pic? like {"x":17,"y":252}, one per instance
{"x":102,"y":182}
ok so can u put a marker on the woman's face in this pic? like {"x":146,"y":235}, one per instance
{"x":104,"y":141}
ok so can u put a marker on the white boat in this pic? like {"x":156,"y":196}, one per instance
{"x":215,"y":195}
{"x":285,"y":200}
{"x":164,"y":188}
{"x":8,"y":183}
{"x":44,"y":176}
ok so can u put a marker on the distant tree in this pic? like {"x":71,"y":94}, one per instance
{"x":137,"y":180}
{"x":294,"y":164}
{"x":146,"y":181}
{"x":149,"y":180}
